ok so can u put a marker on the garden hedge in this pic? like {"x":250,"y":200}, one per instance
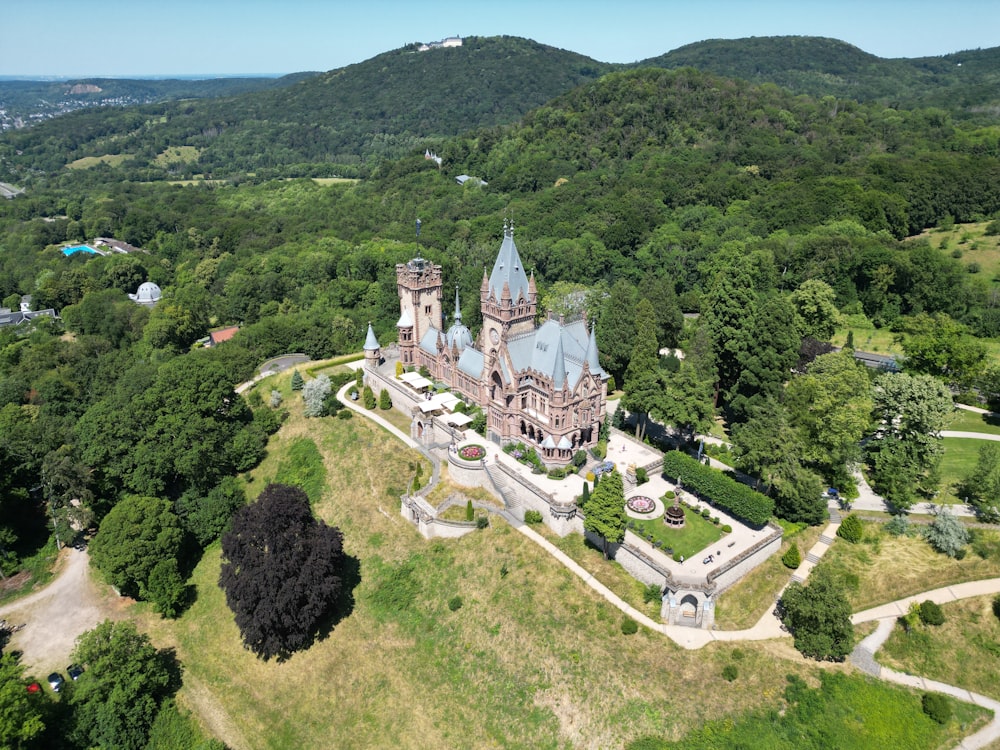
{"x":715,"y":487}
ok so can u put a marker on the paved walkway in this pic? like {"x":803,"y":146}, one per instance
{"x":769,"y":627}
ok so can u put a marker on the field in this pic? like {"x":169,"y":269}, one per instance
{"x":969,"y":244}
{"x":112,"y":160}
{"x":964,"y":651}
{"x":177,"y":155}
{"x":531,"y":658}
{"x":970,"y":421}
{"x":883,"y":568}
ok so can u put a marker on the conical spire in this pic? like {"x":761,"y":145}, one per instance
{"x":458,"y":308}
{"x":559,"y":371}
{"x":592,"y":360}
{"x":508,"y":269}
{"x":371,"y":343}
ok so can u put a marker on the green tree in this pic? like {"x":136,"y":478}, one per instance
{"x":819,"y":617}
{"x":829,"y":407}
{"x":298,"y":382}
{"x":767,"y":356}
{"x":643,"y":385}
{"x":165,"y":587}
{"x":851,"y":529}
{"x":982,"y":487}
{"x":115,"y":702}
{"x":939,"y":346}
{"x":368,"y":397}
{"x":21,"y":714}
{"x":727,"y":309}
{"x":605,"y":511}
{"x":792,"y":559}
{"x":909,"y":412}
{"x":660,"y":292}
{"x":314,"y":394}
{"x":384,"y":400}
{"x":136,"y":534}
{"x":816,"y":309}
{"x":616,"y":329}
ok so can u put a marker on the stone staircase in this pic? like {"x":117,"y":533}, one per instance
{"x":502,"y":483}
{"x":835,"y":516}
{"x":814,"y":559}
{"x":825,"y":539}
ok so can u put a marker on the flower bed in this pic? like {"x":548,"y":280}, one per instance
{"x":605,"y":467}
{"x":641,"y":504}
{"x":471,"y":452}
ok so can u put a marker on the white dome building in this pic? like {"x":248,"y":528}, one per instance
{"x":147,"y":295}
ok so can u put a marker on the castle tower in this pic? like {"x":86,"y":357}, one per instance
{"x":509,"y":300}
{"x":373,"y":350}
{"x":419,"y":286}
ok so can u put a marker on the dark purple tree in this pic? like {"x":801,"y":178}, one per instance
{"x":282,"y":571}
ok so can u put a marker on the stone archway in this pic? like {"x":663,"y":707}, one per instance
{"x":687,"y":610}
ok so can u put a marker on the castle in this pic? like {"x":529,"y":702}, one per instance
{"x":540,"y":384}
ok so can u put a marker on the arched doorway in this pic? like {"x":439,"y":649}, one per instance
{"x":687,"y":611}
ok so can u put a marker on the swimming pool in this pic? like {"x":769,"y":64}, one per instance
{"x":79,"y":249}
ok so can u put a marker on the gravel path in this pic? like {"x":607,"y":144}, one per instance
{"x":57,"y":614}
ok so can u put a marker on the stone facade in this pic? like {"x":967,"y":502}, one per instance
{"x":539,"y":384}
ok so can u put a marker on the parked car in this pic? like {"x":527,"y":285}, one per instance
{"x":56,"y":681}
{"x":74,"y":671}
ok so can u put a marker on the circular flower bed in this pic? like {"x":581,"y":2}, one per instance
{"x":641,"y":504}
{"x":471,"y":452}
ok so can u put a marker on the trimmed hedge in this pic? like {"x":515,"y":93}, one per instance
{"x":715,"y":487}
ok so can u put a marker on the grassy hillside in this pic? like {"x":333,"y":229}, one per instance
{"x":530,"y":658}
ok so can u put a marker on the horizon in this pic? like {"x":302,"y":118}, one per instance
{"x":296,"y":36}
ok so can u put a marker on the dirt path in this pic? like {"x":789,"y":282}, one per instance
{"x":57,"y":614}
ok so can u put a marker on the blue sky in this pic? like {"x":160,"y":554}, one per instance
{"x":76,"y":38}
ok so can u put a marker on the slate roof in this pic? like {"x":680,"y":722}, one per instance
{"x":541,"y":350}
{"x":371,"y":343}
{"x":471,"y":362}
{"x":509,"y":270}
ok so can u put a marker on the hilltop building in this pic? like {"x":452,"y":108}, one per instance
{"x":147,"y":295}
{"x":451,"y":41}
{"x":540,"y":384}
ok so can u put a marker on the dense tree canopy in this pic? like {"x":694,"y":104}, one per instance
{"x":281,"y":571}
{"x":116,"y":699}
{"x":819,"y":617}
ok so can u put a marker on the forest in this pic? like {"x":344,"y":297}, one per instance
{"x":637,"y":196}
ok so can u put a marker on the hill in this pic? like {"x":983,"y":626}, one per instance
{"x":336,"y":123}
{"x":962,"y":82}
{"x":26,"y":103}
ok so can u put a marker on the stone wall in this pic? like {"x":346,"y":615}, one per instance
{"x":734,"y":569}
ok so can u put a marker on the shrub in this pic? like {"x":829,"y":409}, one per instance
{"x":729,"y":672}
{"x":641,"y":476}
{"x":298,"y":382}
{"x":399,"y":368}
{"x":726,"y":528}
{"x":715,"y":520}
{"x":470,"y":514}
{"x":792,"y":558}
{"x":558,"y":473}
{"x":937,"y":707}
{"x":579,"y":458}
{"x":384,"y":400}
{"x":669,"y":495}
{"x":629,"y":626}
{"x":368,"y":397}
{"x":996,"y":606}
{"x":345,"y":414}
{"x":455,"y":603}
{"x":973,"y":267}
{"x":721,"y":490}
{"x":600,"y":450}
{"x":482,"y":522}
{"x":851,"y":529}
{"x":899,"y":525}
{"x":590,"y":476}
{"x":705,"y":513}
{"x":947,"y":534}
{"x":532,"y":516}
{"x":276,"y":399}
{"x":931,"y":613}
{"x":652,"y":593}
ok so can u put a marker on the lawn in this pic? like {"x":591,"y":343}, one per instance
{"x":970,"y":244}
{"x":963,"y":420}
{"x":532,"y":657}
{"x":883,"y":568}
{"x":964,"y":651}
{"x":959,"y":459}
{"x":697,"y":534}
{"x":744,"y":603}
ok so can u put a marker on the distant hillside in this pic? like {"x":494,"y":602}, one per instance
{"x":343,"y":119}
{"x":961,"y":82}
{"x":27,"y":103}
